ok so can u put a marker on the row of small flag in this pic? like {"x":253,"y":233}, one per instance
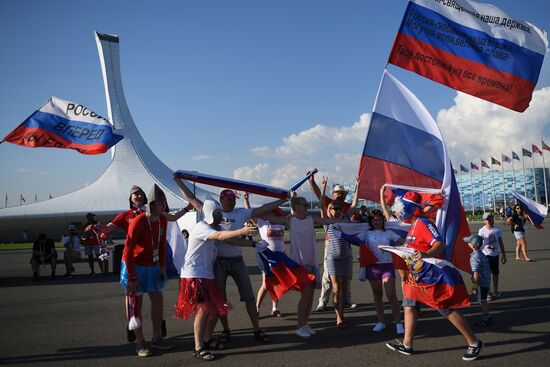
{"x":505,"y":158}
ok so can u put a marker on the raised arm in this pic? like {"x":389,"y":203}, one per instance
{"x":266,"y":208}
{"x":174,"y":217}
{"x":356,"y":192}
{"x":314,"y":186}
{"x":189,"y":196}
{"x":385,"y":210}
{"x":324,"y":214}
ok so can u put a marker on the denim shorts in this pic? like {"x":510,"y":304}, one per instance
{"x":518,"y":235}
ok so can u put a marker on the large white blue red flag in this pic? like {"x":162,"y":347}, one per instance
{"x":404,"y":147}
{"x":434,"y":282}
{"x":64,"y":124}
{"x":472,"y":47}
{"x":534,"y":210}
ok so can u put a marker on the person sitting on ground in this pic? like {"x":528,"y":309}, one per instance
{"x":71,"y":242}
{"x":481,"y":277}
{"x":43,"y":252}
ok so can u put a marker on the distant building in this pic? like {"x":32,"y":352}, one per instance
{"x":500,"y":187}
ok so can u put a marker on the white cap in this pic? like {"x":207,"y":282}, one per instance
{"x":339,"y":188}
{"x":208,"y":208}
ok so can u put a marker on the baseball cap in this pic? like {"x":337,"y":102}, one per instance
{"x":339,"y":188}
{"x":228,"y":194}
{"x":475,"y":240}
{"x":488,"y":215}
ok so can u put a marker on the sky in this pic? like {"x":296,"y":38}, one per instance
{"x":256,"y":90}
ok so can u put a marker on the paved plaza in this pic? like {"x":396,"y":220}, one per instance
{"x":80,"y":322}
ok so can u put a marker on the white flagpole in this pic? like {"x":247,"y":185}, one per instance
{"x":513,"y":172}
{"x":493,"y":187}
{"x":472,"y":190}
{"x":503,"y":182}
{"x":544,"y":175}
{"x":524,"y":180}
{"x":534,"y":177}
{"x":482,"y":187}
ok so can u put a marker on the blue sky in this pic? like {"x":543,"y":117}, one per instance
{"x":232,"y":88}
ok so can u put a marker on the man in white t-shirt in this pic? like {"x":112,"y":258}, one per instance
{"x":71,"y":242}
{"x":492,"y":247}
{"x":229,"y":261}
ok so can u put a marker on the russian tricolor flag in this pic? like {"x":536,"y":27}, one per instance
{"x":534,"y":210}
{"x":404,"y":147}
{"x":64,"y":124}
{"x":471,"y":47}
{"x":434,"y":282}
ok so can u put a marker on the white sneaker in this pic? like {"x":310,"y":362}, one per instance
{"x":309,"y":330}
{"x":379,"y":327}
{"x":400,"y":329}
{"x":320,"y":307}
{"x":302,"y":332}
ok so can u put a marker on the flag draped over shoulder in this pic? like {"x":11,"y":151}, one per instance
{"x":472,"y":47}
{"x":404,"y":147}
{"x":434,"y":282}
{"x":534,"y":210}
{"x":64,"y":124}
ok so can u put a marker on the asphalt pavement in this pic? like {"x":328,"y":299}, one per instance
{"x":80,"y":322}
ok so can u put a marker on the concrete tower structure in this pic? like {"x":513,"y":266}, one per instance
{"x":132,"y":163}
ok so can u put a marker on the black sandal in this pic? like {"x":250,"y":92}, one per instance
{"x":203,"y":354}
{"x":215,"y":343}
{"x":224,"y":336}
{"x":261,"y":336}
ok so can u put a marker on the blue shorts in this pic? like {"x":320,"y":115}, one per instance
{"x":407,"y":302}
{"x":518,"y":235}
{"x":148,"y":278}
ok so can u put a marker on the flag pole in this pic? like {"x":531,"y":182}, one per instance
{"x":482,"y":188}
{"x":503,"y":184}
{"x":524,"y":180}
{"x":461,"y":186}
{"x":544,"y":175}
{"x":513,"y":172}
{"x":493,"y":187}
{"x":472,"y":191}
{"x":534,"y":177}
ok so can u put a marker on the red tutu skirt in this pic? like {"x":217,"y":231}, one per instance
{"x":202,"y":293}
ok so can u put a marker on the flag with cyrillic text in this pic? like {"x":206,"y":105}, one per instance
{"x":66,"y":125}
{"x":472,"y":47}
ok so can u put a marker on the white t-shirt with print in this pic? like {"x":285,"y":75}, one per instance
{"x":490,"y":240}
{"x":381,"y":238}
{"x":231,"y":221}
{"x":201,"y":253}
{"x":273,"y":234}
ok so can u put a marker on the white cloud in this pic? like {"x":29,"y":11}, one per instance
{"x":475,"y":129}
{"x":334,"y":151}
{"x":261,"y":151}
{"x":200,"y":157}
